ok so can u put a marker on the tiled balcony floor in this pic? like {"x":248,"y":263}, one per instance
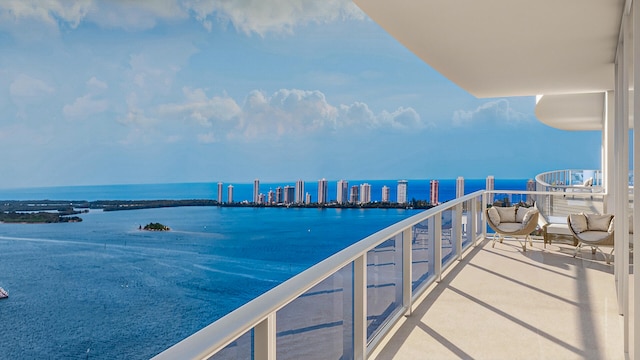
{"x":506,"y":304}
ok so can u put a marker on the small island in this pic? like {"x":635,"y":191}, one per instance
{"x":156,"y":227}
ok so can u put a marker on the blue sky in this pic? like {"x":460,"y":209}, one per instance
{"x":117,"y":92}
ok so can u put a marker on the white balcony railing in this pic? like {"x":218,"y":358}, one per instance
{"x":342,"y":307}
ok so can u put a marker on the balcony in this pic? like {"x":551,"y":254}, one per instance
{"x":431,"y":285}
{"x":501,"y":303}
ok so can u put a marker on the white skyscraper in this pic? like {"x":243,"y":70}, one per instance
{"x":230,"y":194}
{"x":256,"y":190}
{"x":342,"y":195}
{"x":299,"y":192}
{"x":385,"y":194}
{"x":365,"y":193}
{"x":402,"y":191}
{"x":322,"y":191}
{"x":220,"y":193}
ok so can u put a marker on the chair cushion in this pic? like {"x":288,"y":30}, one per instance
{"x":507,"y":214}
{"x":531,"y":212}
{"x":521,"y":212}
{"x":597,"y":222}
{"x":510,"y":227}
{"x":494,"y":216}
{"x":593,"y":236}
{"x":578,"y":223}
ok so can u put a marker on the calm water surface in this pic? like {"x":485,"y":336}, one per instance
{"x":104,"y":289}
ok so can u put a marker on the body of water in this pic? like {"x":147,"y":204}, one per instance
{"x":102,"y":289}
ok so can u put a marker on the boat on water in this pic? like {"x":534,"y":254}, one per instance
{"x":3,"y":293}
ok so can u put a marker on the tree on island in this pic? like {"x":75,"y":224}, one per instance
{"x":156,"y":227}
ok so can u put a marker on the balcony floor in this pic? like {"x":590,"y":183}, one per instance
{"x":506,"y":304}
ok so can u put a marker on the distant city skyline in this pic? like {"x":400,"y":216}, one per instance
{"x":116,"y":92}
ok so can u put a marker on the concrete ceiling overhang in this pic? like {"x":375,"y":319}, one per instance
{"x":572,"y":111}
{"x":498,"y":48}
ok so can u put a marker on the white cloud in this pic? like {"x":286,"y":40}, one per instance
{"x":24,"y":86}
{"x":247,"y":16}
{"x":493,"y":111}
{"x":359,"y":115}
{"x":96,"y":85}
{"x":278,"y":16}
{"x":287,"y":112}
{"x":207,"y":138}
{"x":201,"y":109}
{"x":88,"y":104}
{"x":84,"y":106}
{"x":71,"y":12}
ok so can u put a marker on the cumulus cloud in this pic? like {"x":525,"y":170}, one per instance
{"x":247,"y":16}
{"x":286,"y":112}
{"x":279,"y":16}
{"x":201,"y":109}
{"x":70,"y":12}
{"x":90,"y":103}
{"x":494,"y":111}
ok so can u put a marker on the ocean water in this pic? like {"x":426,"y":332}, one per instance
{"x":102,"y":289}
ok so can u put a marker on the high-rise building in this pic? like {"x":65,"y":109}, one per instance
{"x":434,"y":186}
{"x":261,"y":199}
{"x":386,"y":194}
{"x":355,"y":191}
{"x":299,"y":192}
{"x":322,"y":191}
{"x":270,"y":197}
{"x":307,"y":199}
{"x":279,"y":195}
{"x":256,"y":190}
{"x":402,"y":191}
{"x":365,"y":193}
{"x":220,"y":200}
{"x":490,"y":185}
{"x":289,"y":194}
{"x":230,"y":194}
{"x":459,"y":187}
{"x":531,"y":186}
{"x":342,"y":195}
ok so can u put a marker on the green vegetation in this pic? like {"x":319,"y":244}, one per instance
{"x":36,"y":218}
{"x":156,"y":227}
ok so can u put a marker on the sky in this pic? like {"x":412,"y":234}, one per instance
{"x":167,"y":91}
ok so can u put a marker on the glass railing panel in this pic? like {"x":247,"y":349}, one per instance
{"x":448,"y":238}
{"x":319,"y":323}
{"x":241,"y":348}
{"x":479,"y":216}
{"x":384,"y":283}
{"x":423,"y":256}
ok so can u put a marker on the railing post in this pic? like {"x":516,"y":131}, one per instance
{"x":437,"y":245}
{"x":457,"y":223}
{"x":265,"y":339}
{"x":407,"y":276}
{"x":360,"y":308}
{"x":482,"y":215}
{"x":473,"y":223}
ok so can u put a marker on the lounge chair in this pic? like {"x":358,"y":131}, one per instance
{"x":593,"y":230}
{"x":512,"y":221}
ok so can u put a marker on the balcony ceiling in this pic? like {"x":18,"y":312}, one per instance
{"x":498,"y":48}
{"x":572,"y":111}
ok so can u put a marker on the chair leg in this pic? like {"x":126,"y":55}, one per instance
{"x":578,"y":248}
